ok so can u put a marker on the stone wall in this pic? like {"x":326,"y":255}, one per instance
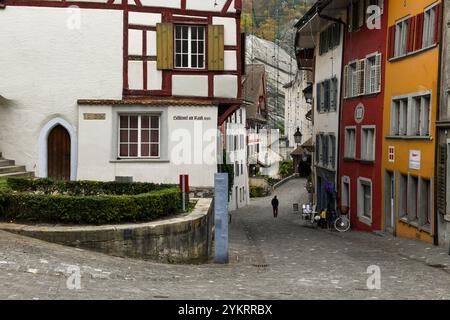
{"x":183,"y":239}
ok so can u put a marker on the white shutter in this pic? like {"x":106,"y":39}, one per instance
{"x":378,"y":76}
{"x":345,"y":83}
{"x":360,"y":68}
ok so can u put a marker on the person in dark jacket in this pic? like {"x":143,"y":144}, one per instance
{"x":275,"y":204}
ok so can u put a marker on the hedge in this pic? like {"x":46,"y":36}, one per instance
{"x":82,"y":188}
{"x":102,"y":209}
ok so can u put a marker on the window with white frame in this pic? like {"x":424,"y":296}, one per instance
{"x":139,"y":136}
{"x":373,"y":74}
{"x":368,"y":144}
{"x":365,"y":199}
{"x":420,"y":117}
{"x":350,"y":143}
{"x":399,"y":117}
{"x":353,"y":80}
{"x":429,"y":27}
{"x":190,"y":47}
{"x":401,"y":35}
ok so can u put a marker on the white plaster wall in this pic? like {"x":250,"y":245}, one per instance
{"x":160,"y":3}
{"x":135,"y":75}
{"x":97,"y":161}
{"x":145,"y":18}
{"x":226,"y":86}
{"x":229,"y":29}
{"x":296,"y":109}
{"x":230,"y":60}
{"x":209,"y":5}
{"x":327,"y":66}
{"x":194,"y":86}
{"x":46,"y":67}
{"x":240,"y":155}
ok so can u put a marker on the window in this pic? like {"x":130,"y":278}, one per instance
{"x":353,"y":86}
{"x":356,"y":15}
{"x":350,"y":143}
{"x":368,"y":144}
{"x":332,"y":150}
{"x":333,"y":94}
{"x":399,"y":117}
{"x":139,"y":136}
{"x":429,"y":27}
{"x":401,"y":35}
{"x":325,"y":144}
{"x":365,"y":199}
{"x":329,"y":38}
{"x":403,"y":196}
{"x":373,"y":74}
{"x":413,"y":199}
{"x":425,"y":203}
{"x":318,"y":149}
{"x":190,"y":47}
{"x":411,"y":117}
{"x":327,"y":95}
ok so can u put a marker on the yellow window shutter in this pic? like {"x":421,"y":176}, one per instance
{"x":164,"y":47}
{"x":216,"y":47}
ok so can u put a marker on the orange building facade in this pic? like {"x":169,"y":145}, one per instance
{"x":409,"y":118}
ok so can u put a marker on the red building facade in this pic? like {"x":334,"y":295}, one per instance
{"x":361,"y":120}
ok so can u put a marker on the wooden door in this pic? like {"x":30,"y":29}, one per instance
{"x":59,"y":154}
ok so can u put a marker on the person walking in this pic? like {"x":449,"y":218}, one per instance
{"x":275,"y":204}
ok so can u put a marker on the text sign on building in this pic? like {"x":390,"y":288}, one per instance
{"x":414,"y":159}
{"x":94,"y":116}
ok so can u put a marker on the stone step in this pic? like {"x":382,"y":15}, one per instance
{"x":12,"y":169}
{"x":17,"y":174}
{"x":7,"y":163}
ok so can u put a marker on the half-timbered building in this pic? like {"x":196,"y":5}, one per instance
{"x":118,"y":89}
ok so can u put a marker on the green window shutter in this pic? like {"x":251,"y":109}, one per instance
{"x":216,"y":47}
{"x":164,"y":47}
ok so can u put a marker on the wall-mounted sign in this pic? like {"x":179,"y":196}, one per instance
{"x":191,"y":118}
{"x":391,"y":154}
{"x":94,"y":116}
{"x":414,"y":159}
{"x":359,"y":113}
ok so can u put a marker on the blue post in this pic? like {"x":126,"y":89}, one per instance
{"x":221,"y":217}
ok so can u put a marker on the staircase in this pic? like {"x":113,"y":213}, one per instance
{"x":8,"y":168}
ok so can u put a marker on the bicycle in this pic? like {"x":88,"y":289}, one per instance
{"x":342,"y":223}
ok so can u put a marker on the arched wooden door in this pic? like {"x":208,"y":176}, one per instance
{"x":58,"y":149}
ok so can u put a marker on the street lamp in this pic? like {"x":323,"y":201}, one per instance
{"x":298,"y":137}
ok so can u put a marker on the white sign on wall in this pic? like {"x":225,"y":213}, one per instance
{"x":414,"y":159}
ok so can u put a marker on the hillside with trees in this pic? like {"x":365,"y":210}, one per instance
{"x":273,"y":20}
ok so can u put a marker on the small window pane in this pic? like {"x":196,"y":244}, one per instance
{"x":133,"y":136}
{"x":155,"y":123}
{"x":124,"y":150}
{"x":145,"y":150}
{"x":145,"y":136}
{"x":124,"y":122}
{"x":123,"y":136}
{"x":133,"y":150}
{"x":134,"y":122}
{"x":145,"y":122}
{"x":154,"y":150}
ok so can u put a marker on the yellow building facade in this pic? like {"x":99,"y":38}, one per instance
{"x":409,"y":118}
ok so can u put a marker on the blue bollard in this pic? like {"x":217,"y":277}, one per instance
{"x":221,"y":217}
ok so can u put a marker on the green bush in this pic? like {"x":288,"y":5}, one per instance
{"x":82,"y":188}
{"x":258,"y":192}
{"x":102,"y":209}
{"x":286,"y":168}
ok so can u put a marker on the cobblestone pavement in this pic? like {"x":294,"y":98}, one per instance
{"x":270,"y":259}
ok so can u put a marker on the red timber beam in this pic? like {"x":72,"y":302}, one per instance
{"x":224,"y":114}
{"x":110,"y":5}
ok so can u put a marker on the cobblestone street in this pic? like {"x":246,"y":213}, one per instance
{"x":270,"y":259}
